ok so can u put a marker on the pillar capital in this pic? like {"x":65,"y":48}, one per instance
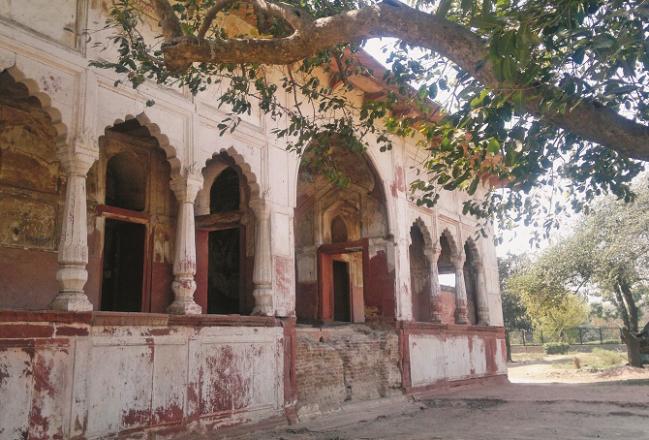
{"x":186,"y":187}
{"x":78,"y":156}
{"x":458,"y":260}
{"x":260,"y":207}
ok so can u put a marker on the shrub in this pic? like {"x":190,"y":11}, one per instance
{"x":556,"y":347}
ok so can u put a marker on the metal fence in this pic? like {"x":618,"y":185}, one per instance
{"x":575,"y":335}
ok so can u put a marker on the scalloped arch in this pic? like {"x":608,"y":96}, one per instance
{"x":473,"y":254}
{"x":246,"y":170}
{"x":452,"y":243}
{"x":155,"y":132}
{"x":425,"y":233}
{"x":44,"y":100}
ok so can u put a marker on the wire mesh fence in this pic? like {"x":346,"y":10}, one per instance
{"x":575,"y":335}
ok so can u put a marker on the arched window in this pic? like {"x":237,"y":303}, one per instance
{"x":225,"y":194}
{"x":419,"y":276}
{"x":338,"y":230}
{"x":125,"y":182}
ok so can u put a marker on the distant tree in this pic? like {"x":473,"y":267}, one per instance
{"x":608,"y":256}
{"x":514,"y":311}
{"x":552,"y":307}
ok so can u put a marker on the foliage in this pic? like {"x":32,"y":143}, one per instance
{"x":548,"y":59}
{"x":556,"y":347}
{"x":514,"y":311}
{"x":606,"y":256}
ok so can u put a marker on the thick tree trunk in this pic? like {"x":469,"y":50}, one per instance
{"x":508,"y":345}
{"x":632,"y":348}
{"x":391,"y":18}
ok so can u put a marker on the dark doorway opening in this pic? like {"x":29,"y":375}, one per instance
{"x":224,"y":272}
{"x":121,"y":289}
{"x":342,"y":307}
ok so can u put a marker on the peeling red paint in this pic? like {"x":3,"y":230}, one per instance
{"x":26,"y":331}
{"x":229,"y":389}
{"x":491,"y":353}
{"x":169,"y":414}
{"x":136,"y":418}
{"x":72,"y":331}
{"x":399,"y":182}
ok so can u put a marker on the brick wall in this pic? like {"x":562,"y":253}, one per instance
{"x":342,"y":364}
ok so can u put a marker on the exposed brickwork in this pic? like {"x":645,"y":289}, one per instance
{"x":349,"y":363}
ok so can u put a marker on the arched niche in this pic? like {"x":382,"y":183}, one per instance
{"x":335,"y":226}
{"x":225,"y":234}
{"x":32,"y":188}
{"x":131,"y":202}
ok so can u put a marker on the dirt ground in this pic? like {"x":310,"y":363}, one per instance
{"x":614,"y":410}
{"x":584,"y":404}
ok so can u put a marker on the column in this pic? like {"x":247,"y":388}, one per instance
{"x":262,"y":275}
{"x":435,"y":289}
{"x":184,"y":268}
{"x":73,"y":245}
{"x":481,"y":293}
{"x":460,"y":290}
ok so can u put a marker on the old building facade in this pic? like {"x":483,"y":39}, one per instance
{"x":156,"y":276}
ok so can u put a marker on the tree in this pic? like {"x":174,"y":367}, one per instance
{"x":607,"y":255}
{"x":551,"y":306}
{"x":539,"y":94}
{"x":515,"y":314}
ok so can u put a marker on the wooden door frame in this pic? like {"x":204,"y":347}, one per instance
{"x":325,"y":258}
{"x":128,"y":216}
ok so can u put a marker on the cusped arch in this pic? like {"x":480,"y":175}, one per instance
{"x":155,"y":132}
{"x":44,"y":101}
{"x":472,"y":252}
{"x":425,"y":233}
{"x":211,"y":173}
{"x":452,"y":243}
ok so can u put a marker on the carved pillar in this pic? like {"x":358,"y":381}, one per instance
{"x":481,"y":291}
{"x":73,"y":245}
{"x":435,"y":289}
{"x":460,"y":290}
{"x":184,"y":268}
{"x":262,"y":275}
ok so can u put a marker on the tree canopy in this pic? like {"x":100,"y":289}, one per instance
{"x":536,"y":94}
{"x":607,"y":256}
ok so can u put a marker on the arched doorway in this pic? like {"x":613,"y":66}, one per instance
{"x":420,"y":274}
{"x":131,"y":253}
{"x":225,"y":239}
{"x":338,"y":227}
{"x":32,"y":188}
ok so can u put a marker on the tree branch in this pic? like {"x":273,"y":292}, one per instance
{"x":210,"y":15}
{"x":587,"y":119}
{"x":168,"y":20}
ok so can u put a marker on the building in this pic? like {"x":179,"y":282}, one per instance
{"x":156,"y":276}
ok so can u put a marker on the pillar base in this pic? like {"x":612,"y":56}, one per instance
{"x":187,"y":307}
{"x":71,"y":302}
{"x":461,"y":316}
{"x":263,"y":301}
